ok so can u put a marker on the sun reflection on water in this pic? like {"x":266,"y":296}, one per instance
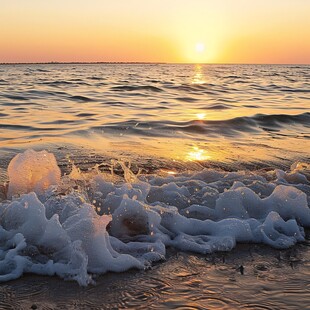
{"x":201,"y":116}
{"x":197,"y":154}
{"x":198,"y":75}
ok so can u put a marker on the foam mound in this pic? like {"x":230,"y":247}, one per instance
{"x":32,"y":171}
{"x":79,"y":225}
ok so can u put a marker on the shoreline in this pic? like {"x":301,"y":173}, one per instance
{"x":86,"y":158}
{"x":184,"y":279}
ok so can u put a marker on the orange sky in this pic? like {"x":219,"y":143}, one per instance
{"x":230,"y":31}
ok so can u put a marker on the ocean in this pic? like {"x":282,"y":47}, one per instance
{"x":242,"y":115}
{"x":191,"y":182}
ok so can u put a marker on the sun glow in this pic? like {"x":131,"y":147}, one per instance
{"x":197,"y":154}
{"x":197,"y":52}
{"x":200,"y":47}
{"x":214,"y":32}
{"x":201,"y":116}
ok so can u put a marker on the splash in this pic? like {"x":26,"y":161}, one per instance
{"x":32,"y":171}
{"x":82,"y":224}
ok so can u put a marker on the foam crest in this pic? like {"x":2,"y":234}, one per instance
{"x":32,"y":171}
{"x":82,"y":224}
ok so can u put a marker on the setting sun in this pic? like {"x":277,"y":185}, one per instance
{"x":198,"y":32}
{"x":200,"y":47}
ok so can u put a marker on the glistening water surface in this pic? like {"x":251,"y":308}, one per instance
{"x":213,"y":212}
{"x":271,"y":279}
{"x":211,"y":113}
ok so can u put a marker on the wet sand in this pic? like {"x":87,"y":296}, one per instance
{"x":249,"y":277}
{"x":87,"y":158}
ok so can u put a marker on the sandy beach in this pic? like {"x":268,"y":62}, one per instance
{"x":270,"y":279}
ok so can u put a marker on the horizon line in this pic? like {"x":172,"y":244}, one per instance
{"x":143,"y":62}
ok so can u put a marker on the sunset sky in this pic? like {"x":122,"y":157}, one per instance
{"x":204,"y":31}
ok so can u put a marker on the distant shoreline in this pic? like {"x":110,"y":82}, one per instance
{"x":83,"y":63}
{"x":141,"y":63}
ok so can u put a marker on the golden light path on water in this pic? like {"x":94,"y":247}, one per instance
{"x":198,"y":76}
{"x":121,"y":119}
{"x":197,"y":154}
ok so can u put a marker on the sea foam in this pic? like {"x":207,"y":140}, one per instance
{"x":79,"y":225}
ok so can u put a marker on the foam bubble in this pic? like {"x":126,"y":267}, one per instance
{"x":32,"y":171}
{"x":89,"y":223}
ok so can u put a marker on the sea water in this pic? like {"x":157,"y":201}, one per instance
{"x":241,"y":116}
{"x":107,"y":167}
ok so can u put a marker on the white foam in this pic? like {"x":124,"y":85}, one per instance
{"x":101,"y":225}
{"x":32,"y":171}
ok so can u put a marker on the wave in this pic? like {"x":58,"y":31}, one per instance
{"x":96,"y":78}
{"x":187,"y":99}
{"x":42,"y":70}
{"x":83,"y":224}
{"x":16,"y":97}
{"x":190,"y":87}
{"x":283,"y":119}
{"x":17,"y":127}
{"x":56,"y":83}
{"x":86,"y":114}
{"x":137,"y":88}
{"x":230,"y":127}
{"x":58,"y":122}
{"x":218,"y":106}
{"x":80,"y":98}
{"x":115,"y":103}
